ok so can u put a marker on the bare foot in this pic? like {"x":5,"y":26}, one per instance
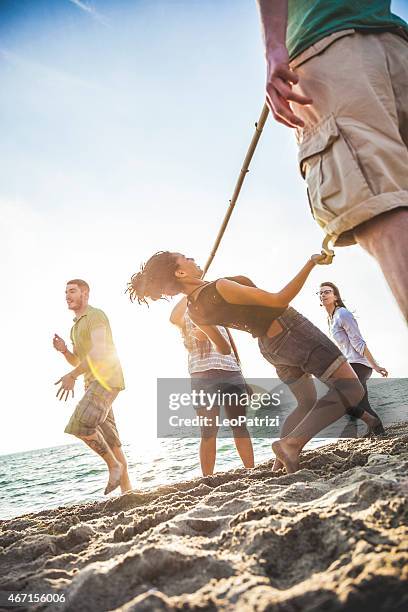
{"x":115,"y":475}
{"x":289,"y":458}
{"x":277,"y":465}
{"x":374,"y":428}
{"x":125,"y":484}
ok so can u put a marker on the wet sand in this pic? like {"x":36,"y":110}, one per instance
{"x":333,"y":536}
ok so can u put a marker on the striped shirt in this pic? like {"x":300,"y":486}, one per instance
{"x":202,"y":356}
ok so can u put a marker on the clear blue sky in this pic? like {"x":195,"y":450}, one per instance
{"x":124,"y":127}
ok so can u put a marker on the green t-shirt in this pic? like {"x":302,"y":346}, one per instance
{"x":312,"y":20}
{"x":108,"y":371}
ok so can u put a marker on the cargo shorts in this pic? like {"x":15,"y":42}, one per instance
{"x":353,"y":150}
{"x":94,"y":413}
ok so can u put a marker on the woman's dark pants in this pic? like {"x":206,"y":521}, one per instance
{"x":363,"y":373}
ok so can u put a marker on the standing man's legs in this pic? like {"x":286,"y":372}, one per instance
{"x":386,"y":238}
{"x":92,"y":421}
{"x":125,"y":484}
{"x":97,"y":443}
{"x":110,"y":433}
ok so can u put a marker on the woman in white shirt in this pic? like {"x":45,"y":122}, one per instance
{"x":213,"y":371}
{"x":346,"y":333}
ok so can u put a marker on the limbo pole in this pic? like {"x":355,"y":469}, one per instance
{"x":259,"y":125}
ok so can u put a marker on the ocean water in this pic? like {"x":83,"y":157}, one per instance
{"x":47,"y":478}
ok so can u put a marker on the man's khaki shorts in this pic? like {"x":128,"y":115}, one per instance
{"x":94,"y":412}
{"x":353,"y":150}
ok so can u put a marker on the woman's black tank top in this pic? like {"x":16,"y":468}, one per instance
{"x":210,"y":308}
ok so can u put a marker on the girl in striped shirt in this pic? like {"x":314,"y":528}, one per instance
{"x":214,"y":368}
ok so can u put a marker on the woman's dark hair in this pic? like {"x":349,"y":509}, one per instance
{"x":339,"y":301}
{"x":156,"y":279}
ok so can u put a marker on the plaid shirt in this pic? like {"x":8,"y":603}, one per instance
{"x":202,"y":356}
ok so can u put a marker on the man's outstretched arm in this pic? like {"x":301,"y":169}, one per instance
{"x":279,"y":77}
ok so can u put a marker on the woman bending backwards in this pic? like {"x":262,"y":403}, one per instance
{"x":286,"y":339}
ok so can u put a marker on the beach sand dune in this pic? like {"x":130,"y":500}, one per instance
{"x":331,"y":537}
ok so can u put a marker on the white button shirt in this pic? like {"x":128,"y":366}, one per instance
{"x":346,"y":333}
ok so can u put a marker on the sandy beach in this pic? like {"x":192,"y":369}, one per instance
{"x":333,"y":536}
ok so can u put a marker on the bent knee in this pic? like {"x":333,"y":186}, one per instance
{"x":350,"y":390}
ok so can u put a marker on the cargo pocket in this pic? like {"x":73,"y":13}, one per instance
{"x":328,"y":163}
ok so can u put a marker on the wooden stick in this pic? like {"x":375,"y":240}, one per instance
{"x":244,"y":170}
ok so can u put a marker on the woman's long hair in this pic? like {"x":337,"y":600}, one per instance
{"x":156,"y":279}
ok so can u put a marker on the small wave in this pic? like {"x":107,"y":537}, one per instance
{"x":84,"y":474}
{"x":65,"y":459}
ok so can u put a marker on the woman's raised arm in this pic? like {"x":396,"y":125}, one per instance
{"x":236,"y":293}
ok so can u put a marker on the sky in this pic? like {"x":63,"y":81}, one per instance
{"x":124,"y":127}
